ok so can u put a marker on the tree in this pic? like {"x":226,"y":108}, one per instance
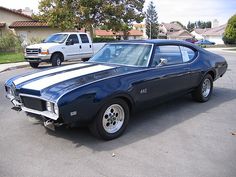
{"x":198,"y":24}
{"x":190,"y":26}
{"x":57,"y":13}
{"x":116,"y":15}
{"x":152,"y":27}
{"x":119,"y":15}
{"x":230,"y":31}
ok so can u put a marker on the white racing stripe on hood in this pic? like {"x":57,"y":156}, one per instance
{"x":51,"y":80}
{"x":35,"y":75}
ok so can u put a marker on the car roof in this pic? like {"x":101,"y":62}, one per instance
{"x":161,"y":42}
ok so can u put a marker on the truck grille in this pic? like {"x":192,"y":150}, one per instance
{"x":33,"y":103}
{"x":32,"y":51}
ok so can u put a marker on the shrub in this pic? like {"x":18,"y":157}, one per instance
{"x":10,"y":43}
{"x":230,"y":31}
{"x":35,"y":40}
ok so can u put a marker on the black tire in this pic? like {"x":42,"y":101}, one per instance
{"x":57,"y":59}
{"x":99,"y":127}
{"x":85,"y":59}
{"x":206,"y":84}
{"x":34,"y":65}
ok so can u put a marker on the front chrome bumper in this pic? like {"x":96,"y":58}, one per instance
{"x":19,"y":105}
{"x":38,"y":58}
{"x":13,"y":100}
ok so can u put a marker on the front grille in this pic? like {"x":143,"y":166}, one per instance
{"x":33,"y":103}
{"x":32,"y":51}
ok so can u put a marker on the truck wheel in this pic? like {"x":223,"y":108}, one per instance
{"x":85,"y":59}
{"x":111,"y":120}
{"x":56,"y":59}
{"x":34,"y":65}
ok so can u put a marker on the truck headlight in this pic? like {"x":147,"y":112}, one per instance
{"x":44,"y":51}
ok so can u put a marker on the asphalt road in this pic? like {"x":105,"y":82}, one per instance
{"x":180,"y":138}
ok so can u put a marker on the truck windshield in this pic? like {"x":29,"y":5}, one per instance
{"x":56,"y":38}
{"x":124,"y":54}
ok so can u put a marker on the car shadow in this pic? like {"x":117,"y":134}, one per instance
{"x":148,"y":123}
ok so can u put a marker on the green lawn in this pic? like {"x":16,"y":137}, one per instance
{"x":11,"y":57}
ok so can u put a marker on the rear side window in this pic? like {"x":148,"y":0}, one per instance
{"x":171,"y":53}
{"x":187,"y":53}
{"x":74,"y":38}
{"x":84,"y":38}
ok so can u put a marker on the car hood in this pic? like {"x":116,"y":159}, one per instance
{"x":42,"y":45}
{"x":51,"y":84}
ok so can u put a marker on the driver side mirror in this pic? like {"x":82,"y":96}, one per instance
{"x":162,"y":62}
{"x":69,"y":42}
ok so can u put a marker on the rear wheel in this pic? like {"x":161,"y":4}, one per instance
{"x":57,"y":59}
{"x":112,"y":120}
{"x":204,"y":90}
{"x":34,"y":65}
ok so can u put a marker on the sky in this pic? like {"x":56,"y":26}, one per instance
{"x":168,"y":10}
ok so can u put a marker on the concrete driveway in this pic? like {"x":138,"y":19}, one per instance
{"x":178,"y":138}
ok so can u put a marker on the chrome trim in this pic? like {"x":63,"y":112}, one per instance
{"x":42,"y":113}
{"x":45,"y":113}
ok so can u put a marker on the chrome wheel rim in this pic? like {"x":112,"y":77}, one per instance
{"x":58,"y":61}
{"x":206,"y":87}
{"x":113,"y":118}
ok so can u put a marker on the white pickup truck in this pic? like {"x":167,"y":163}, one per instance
{"x":60,"y":47}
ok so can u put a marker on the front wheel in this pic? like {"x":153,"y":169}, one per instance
{"x":34,"y":65}
{"x":112,"y":120}
{"x":57,"y":59}
{"x":204,"y":90}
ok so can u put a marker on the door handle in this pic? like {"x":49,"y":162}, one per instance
{"x":80,"y":47}
{"x":90,"y":46}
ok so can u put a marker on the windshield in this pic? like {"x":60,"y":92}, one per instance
{"x":124,"y":54}
{"x":56,"y":38}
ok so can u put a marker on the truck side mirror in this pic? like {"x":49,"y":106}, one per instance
{"x":69,"y":42}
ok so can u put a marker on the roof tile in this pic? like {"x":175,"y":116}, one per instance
{"x":20,"y":24}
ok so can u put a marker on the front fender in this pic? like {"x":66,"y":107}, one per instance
{"x":83,"y":103}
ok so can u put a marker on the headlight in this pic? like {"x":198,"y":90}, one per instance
{"x":49,"y":106}
{"x":56,"y":109}
{"x":44,"y":51}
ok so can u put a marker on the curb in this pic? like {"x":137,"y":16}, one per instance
{"x":14,"y":66}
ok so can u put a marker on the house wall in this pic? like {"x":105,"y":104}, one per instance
{"x":162,"y":29}
{"x":216,"y":39}
{"x":34,"y":33}
{"x":197,"y":36}
{"x":8,"y":17}
{"x":135,"y":37}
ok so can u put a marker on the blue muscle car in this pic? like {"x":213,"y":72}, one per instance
{"x":120,"y":78}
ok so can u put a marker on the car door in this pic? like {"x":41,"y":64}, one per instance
{"x":174,"y":75}
{"x":86,"y":49}
{"x":72,"y":49}
{"x":163,"y":80}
